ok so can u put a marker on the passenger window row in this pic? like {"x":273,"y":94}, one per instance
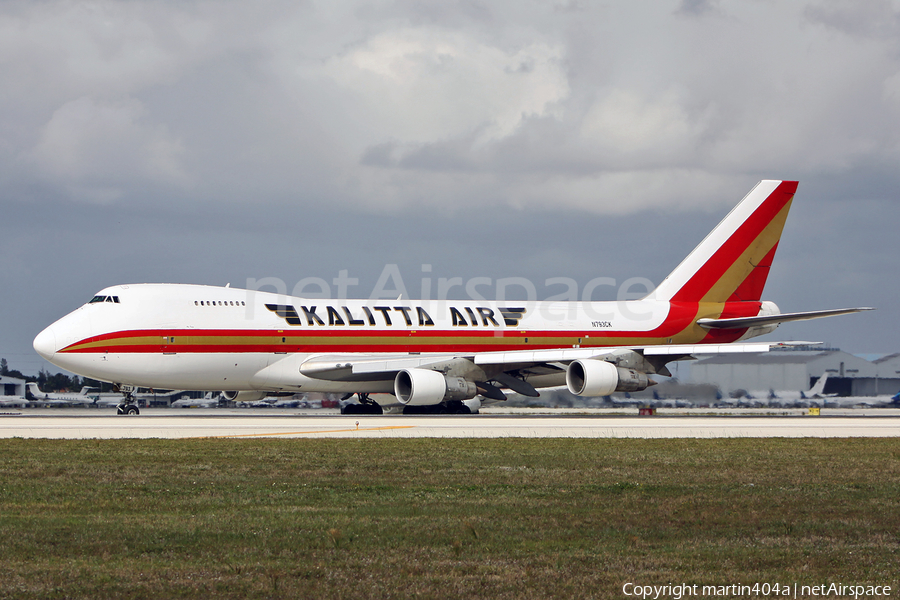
{"x":218,"y":303}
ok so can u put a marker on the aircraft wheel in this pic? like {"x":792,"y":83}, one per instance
{"x":457,"y":408}
{"x":132,"y":410}
{"x":362,"y":409}
{"x":372,"y":409}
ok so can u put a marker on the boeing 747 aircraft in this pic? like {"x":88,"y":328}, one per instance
{"x":433,"y":356}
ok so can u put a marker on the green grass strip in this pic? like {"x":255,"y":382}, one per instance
{"x":439,"y":518}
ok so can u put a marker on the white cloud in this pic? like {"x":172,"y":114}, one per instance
{"x":529,"y":119}
{"x":99,"y":150}
{"x":623,"y":192}
{"x":423,"y":85}
{"x":862,"y":18}
{"x":61,"y":49}
{"x":627,"y":123}
{"x":393,"y":104}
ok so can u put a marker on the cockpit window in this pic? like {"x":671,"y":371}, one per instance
{"x":113,"y":299}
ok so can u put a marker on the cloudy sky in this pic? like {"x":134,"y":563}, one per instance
{"x":221,"y":142}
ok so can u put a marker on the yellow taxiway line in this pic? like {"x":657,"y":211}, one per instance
{"x":238,"y":435}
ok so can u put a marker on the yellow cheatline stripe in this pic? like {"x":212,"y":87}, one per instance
{"x":129,"y":341}
{"x":339,"y":341}
{"x":237,"y":435}
{"x":180,"y":340}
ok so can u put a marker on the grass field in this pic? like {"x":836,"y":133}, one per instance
{"x":479,"y":518}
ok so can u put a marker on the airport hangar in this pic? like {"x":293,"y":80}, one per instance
{"x":10,"y":386}
{"x":797,"y":370}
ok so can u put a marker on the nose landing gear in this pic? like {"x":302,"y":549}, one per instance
{"x":127,"y":409}
{"x":128,"y":405}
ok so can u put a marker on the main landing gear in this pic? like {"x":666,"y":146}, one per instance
{"x":366,"y":406}
{"x":451,"y":407}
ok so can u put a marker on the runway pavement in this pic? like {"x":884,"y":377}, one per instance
{"x":199,"y":423}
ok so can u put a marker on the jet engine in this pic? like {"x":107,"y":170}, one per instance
{"x":424,"y":387}
{"x":244,"y":396}
{"x":589,"y":377}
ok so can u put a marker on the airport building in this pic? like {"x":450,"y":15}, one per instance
{"x":797,"y":370}
{"x":10,"y":386}
{"x":888,"y":366}
{"x":886,"y":377}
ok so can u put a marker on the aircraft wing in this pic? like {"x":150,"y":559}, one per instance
{"x":367,"y":368}
{"x":509,"y":370}
{"x":745,"y":322}
{"x":384,"y":365}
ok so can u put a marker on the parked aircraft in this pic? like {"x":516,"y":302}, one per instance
{"x":433,"y":356}
{"x":816,"y":391}
{"x":13,"y":401}
{"x":879,"y":401}
{"x":209,"y":400}
{"x":34,"y":394}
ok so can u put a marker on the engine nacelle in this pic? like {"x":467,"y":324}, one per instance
{"x":588,"y":377}
{"x":474,"y":405}
{"x":424,"y":387}
{"x":766,"y":309}
{"x":245,"y":396}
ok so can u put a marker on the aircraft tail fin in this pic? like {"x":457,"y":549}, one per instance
{"x":819,"y":387}
{"x":732,"y":262}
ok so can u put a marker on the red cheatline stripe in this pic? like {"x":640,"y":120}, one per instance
{"x":330,"y":339}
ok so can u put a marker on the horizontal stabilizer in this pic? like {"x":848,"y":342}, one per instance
{"x":745,"y":322}
{"x":566,"y":355}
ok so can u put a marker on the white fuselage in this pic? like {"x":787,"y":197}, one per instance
{"x":212,"y":338}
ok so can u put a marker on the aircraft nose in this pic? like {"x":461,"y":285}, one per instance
{"x":45,"y":343}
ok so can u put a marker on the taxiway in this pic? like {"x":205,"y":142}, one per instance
{"x":200,"y":423}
